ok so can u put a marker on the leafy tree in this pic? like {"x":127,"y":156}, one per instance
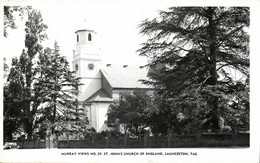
{"x":13,"y":95}
{"x":19,"y":88}
{"x":131,"y":111}
{"x":5,"y":68}
{"x":9,"y":16}
{"x":161,"y":119}
{"x":34,"y":35}
{"x":193,"y":53}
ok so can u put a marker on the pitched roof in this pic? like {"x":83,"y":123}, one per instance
{"x":100,"y":96}
{"x":125,"y":76}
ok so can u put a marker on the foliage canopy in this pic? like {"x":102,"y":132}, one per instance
{"x":131,"y":111}
{"x":41,"y":91}
{"x":199,"y":64}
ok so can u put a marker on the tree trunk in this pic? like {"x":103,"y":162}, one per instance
{"x":54,"y":101}
{"x":28,"y":119}
{"x":136,"y":130}
{"x":213,"y":69}
{"x":54,"y":116}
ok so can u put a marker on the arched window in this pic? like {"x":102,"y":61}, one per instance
{"x":77,"y":38}
{"x":89,"y":37}
{"x":76,"y":67}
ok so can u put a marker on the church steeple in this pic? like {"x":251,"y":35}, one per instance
{"x":86,"y":41}
{"x":86,"y":58}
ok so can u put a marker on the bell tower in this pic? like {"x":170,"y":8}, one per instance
{"x":87,"y":62}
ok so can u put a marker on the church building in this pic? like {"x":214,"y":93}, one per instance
{"x":102,"y":82}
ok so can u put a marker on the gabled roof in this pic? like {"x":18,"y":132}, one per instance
{"x":125,"y":76}
{"x":100,"y":96}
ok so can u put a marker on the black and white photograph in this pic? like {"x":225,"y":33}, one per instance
{"x":129,"y":81}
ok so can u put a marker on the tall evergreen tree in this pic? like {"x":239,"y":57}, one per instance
{"x":57,"y":90}
{"x":199,"y":49}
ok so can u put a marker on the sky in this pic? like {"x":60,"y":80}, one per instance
{"x":115,"y":21}
{"x":116,"y":24}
